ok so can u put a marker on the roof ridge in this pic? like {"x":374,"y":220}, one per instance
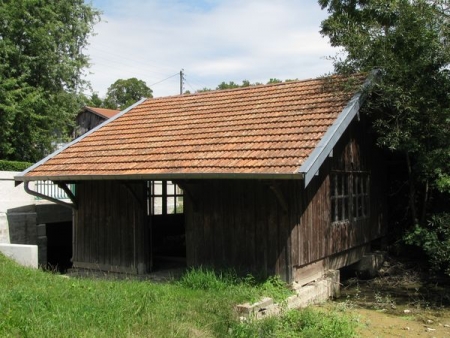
{"x":258,"y":86}
{"x":268,"y":130}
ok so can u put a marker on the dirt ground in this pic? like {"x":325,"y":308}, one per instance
{"x":380,"y":324}
{"x":403,"y":301}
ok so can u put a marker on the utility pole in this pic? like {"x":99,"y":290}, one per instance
{"x":181,"y":81}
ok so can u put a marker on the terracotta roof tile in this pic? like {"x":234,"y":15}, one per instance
{"x":269,"y":129}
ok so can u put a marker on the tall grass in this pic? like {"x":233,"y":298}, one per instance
{"x":34,"y":303}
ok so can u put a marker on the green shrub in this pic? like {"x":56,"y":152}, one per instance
{"x":434,"y":240}
{"x":13,"y":165}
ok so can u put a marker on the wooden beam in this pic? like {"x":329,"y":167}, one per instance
{"x":68,"y":192}
{"x":279,"y":195}
{"x":105,"y":267}
{"x":136,"y":197}
{"x":187,"y":192}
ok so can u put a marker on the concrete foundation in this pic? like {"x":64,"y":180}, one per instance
{"x":369,"y":265}
{"x":26,"y":255}
{"x":315,"y":292}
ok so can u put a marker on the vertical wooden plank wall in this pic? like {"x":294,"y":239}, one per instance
{"x":241,"y":223}
{"x":316,"y":236}
{"x":86,"y":121}
{"x":110,"y":226}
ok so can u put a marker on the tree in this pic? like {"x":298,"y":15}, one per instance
{"x":245,"y":83}
{"x":95,"y":100}
{"x":229,"y":85}
{"x":410,"y":107}
{"x":274,"y":80}
{"x":123,"y":93}
{"x":41,"y":65}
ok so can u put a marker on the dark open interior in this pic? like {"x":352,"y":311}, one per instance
{"x":168,"y":241}
{"x":59,"y":246}
{"x":167,"y":222}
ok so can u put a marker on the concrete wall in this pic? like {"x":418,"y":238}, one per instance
{"x":26,"y":255}
{"x":13,"y":198}
{"x":23,"y":219}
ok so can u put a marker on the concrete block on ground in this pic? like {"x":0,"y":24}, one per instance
{"x":313,"y":293}
{"x":252,"y":309}
{"x":26,"y":255}
{"x":334,"y":277}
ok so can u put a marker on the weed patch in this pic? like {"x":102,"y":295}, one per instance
{"x":307,"y":322}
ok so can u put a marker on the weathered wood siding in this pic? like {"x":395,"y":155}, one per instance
{"x":316,"y":237}
{"x":245,"y":225}
{"x":240,"y":224}
{"x":86,"y":121}
{"x":110,"y":229}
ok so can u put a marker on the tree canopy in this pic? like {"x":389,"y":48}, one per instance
{"x":41,"y":67}
{"x":245,"y":83}
{"x":123,"y":93}
{"x":410,"y":107}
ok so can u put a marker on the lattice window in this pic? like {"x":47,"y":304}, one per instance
{"x":165,"y":198}
{"x":360,"y":203}
{"x":340,"y":198}
{"x":349,"y":193}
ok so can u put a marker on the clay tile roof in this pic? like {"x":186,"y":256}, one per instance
{"x":257,"y":131}
{"x":106,"y":113}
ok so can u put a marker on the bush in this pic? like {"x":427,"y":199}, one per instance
{"x":13,"y":165}
{"x":434,"y":240}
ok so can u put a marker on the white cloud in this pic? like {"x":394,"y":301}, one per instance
{"x":213,"y":41}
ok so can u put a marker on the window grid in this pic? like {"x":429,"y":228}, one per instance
{"x":349,"y":196}
{"x":165,"y":198}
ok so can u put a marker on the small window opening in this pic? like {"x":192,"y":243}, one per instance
{"x":165,"y":198}
{"x":349,"y":196}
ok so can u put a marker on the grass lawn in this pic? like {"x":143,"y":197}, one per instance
{"x":34,"y":303}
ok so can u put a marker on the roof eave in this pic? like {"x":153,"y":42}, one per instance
{"x":311,"y":166}
{"x":163,"y":176}
{"x":96,"y":113}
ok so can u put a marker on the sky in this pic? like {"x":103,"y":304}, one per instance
{"x":212,"y":41}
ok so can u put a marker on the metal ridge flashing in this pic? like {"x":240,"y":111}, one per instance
{"x":20,"y":176}
{"x":325,"y":146}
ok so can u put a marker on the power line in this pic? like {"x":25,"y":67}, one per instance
{"x":143,"y":61}
{"x":176,"y":74}
{"x":196,"y":83}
